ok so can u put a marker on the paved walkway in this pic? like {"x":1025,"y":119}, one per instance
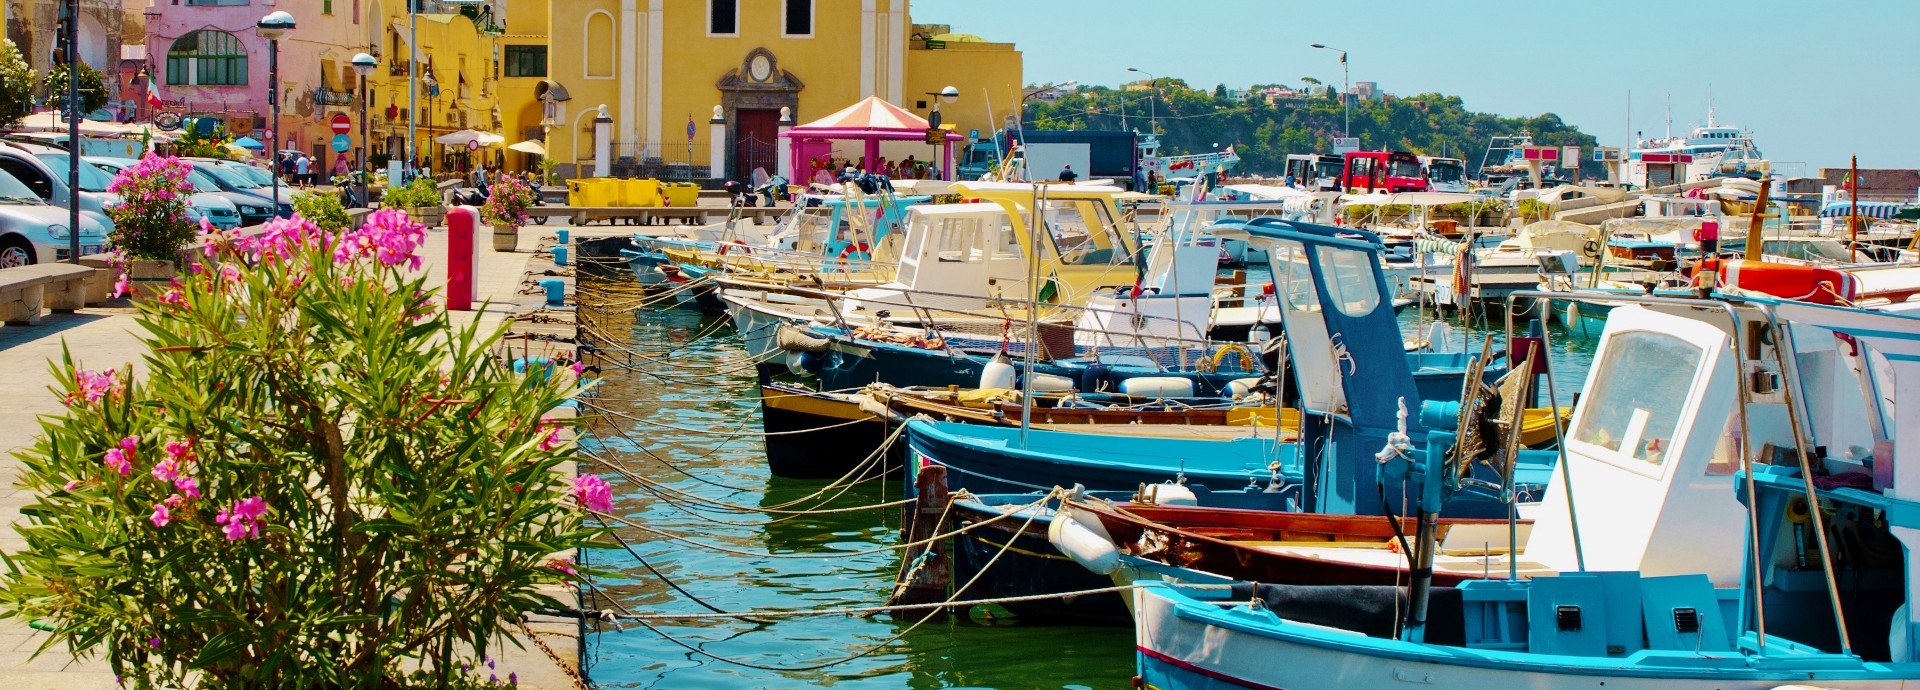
{"x":101,"y":337}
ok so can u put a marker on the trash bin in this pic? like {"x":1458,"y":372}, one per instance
{"x":643,"y":193}
{"x":682,"y":194}
{"x":590,"y":192}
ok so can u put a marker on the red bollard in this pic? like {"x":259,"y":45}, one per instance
{"x":463,"y":257}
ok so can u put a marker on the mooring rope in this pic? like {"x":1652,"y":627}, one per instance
{"x":846,"y":481}
{"x":708,"y":432}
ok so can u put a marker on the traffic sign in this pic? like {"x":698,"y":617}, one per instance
{"x":341,"y":143}
{"x":473,"y":144}
{"x":341,"y":123}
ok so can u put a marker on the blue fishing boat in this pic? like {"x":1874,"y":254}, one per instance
{"x":1738,"y":546}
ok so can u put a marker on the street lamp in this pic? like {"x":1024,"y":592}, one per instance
{"x":1153,"y":86}
{"x":945,"y":95}
{"x":363,"y":65}
{"x":1346,"y":86}
{"x":433,"y":97}
{"x":273,"y":27}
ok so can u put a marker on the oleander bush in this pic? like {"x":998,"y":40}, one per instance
{"x":315,"y":480}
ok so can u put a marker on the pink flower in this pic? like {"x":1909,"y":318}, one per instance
{"x":166,"y":470}
{"x":120,"y":458}
{"x":564,"y":565}
{"x":593,"y":493}
{"x":579,"y":368}
{"x":174,"y":297}
{"x":552,"y":438}
{"x":180,"y":451}
{"x":243,"y":520}
{"x":123,"y":286}
{"x":188,"y":486}
{"x":72,"y":484}
{"x":91,"y":386}
{"x":230,"y":273}
{"x":161,"y":516}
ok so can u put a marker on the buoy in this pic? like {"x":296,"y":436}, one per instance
{"x":1169,"y":494}
{"x":1259,"y":334}
{"x":1050,"y":383}
{"x":1083,"y":545}
{"x":1241,"y":388}
{"x":797,"y":363}
{"x":998,"y":373}
{"x":1157,"y":387}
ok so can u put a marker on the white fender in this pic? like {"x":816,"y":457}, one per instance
{"x":1083,"y":545}
{"x":997,"y":374}
{"x":1157,"y":387}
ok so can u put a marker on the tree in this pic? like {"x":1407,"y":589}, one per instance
{"x":1220,"y":91}
{"x":93,"y":88}
{"x":16,"y":86}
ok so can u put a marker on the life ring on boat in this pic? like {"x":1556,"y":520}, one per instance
{"x":728,"y":246}
{"x":864,"y":252}
{"x":1706,"y":273}
{"x":1812,"y":284}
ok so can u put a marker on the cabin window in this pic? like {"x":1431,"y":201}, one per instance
{"x":958,"y":240}
{"x":1635,"y":413}
{"x":1292,"y":278}
{"x":1350,"y":281}
{"x":1007,"y":241}
{"x":1078,"y":239}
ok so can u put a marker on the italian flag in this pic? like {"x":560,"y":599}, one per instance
{"x":153,"y":92}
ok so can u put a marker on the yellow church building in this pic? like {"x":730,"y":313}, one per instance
{"x":701,"y":88}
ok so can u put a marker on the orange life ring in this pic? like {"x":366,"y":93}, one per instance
{"x":744,"y":249}
{"x":852,"y":248}
{"x":1810,"y":284}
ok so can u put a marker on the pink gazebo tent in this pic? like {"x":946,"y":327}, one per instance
{"x":872,"y":120}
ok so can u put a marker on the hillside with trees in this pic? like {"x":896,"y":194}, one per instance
{"x":1199,"y":120}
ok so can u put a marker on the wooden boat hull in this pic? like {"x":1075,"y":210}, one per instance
{"x":811,"y":436}
{"x":1028,"y":565}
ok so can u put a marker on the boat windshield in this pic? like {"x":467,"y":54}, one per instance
{"x":1635,"y":413}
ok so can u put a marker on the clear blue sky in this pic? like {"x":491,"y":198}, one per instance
{"x":1815,"y":81}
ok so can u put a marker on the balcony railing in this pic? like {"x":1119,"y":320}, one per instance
{"x":323,"y":96}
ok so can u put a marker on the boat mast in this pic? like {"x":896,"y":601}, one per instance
{"x":1033,"y":314}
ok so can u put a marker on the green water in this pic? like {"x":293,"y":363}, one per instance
{"x":688,"y":373}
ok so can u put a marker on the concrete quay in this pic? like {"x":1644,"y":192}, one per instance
{"x":106,"y":336}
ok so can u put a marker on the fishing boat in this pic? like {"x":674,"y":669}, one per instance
{"x":1723,"y":422}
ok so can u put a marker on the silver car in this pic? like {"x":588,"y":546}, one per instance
{"x":43,"y":169}
{"x":31,"y":231}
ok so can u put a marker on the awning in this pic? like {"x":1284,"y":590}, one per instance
{"x":1868,"y":209}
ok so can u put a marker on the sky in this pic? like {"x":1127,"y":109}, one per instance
{"x":1816,"y":82}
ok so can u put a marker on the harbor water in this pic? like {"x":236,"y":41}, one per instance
{"x":684,"y":419}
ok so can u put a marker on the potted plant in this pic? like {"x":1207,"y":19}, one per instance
{"x":420,"y":199}
{"x":150,"y":225}
{"x":322,"y":209}
{"x":506,"y":209}
{"x":296,"y":490}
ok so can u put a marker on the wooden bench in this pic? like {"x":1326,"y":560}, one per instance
{"x":27,"y":290}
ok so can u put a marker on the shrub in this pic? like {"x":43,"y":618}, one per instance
{"x":319,"y":481}
{"x":419,"y":193}
{"x":93,"y":88}
{"x":1534,"y":209}
{"x":323,"y":209}
{"x":151,"y":221}
{"x":16,"y":86}
{"x":508,"y":201}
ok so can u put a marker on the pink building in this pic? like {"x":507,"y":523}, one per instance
{"x":208,"y":61}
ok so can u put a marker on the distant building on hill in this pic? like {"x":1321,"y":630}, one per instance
{"x":1366,"y":90}
{"x":1879,"y":184}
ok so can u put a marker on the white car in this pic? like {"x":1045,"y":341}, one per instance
{"x":32,"y":231}
{"x":206,"y":203}
{"x":43,"y":169}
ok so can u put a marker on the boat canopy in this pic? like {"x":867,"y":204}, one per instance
{"x":1414,"y":198}
{"x":1267,"y":192}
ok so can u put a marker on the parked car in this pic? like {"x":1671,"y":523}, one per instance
{"x":257,"y":208}
{"x":260,"y":176}
{"x":32,"y":231}
{"x":207,"y":202}
{"x":43,"y":169}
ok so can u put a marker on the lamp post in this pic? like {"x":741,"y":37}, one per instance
{"x":273,"y":27}
{"x":1153,"y":110}
{"x":363,"y":65}
{"x":433,"y":93}
{"x":945,"y":95}
{"x":1346,"y":85}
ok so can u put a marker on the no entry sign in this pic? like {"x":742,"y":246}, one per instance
{"x":341,"y":124}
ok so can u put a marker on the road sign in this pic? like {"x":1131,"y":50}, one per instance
{"x":936,"y":135}
{"x":341,"y":123}
{"x":473,"y":144}
{"x":341,"y":143}
{"x":1343,"y":145}
{"x":266,"y":135}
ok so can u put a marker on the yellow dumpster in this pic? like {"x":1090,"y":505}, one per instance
{"x":644,"y":193}
{"x":682,"y":194}
{"x":590,"y":192}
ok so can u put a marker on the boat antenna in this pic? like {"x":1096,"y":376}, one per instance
{"x":1669,"y":114}
{"x":1033,"y":311}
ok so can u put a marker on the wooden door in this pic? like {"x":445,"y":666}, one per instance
{"x":756,"y":138}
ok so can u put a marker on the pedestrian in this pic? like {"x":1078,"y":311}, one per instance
{"x":341,"y":168}
{"x":300,"y":166}
{"x":1067,"y":174}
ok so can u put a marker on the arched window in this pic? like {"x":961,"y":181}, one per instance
{"x":600,"y":45}
{"x":208,"y":57}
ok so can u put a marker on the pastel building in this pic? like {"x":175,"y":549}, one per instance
{"x":105,"y":27}
{"x":703,"y":88}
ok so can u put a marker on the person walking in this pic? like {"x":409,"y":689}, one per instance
{"x":300,"y":167}
{"x":1067,"y":174}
